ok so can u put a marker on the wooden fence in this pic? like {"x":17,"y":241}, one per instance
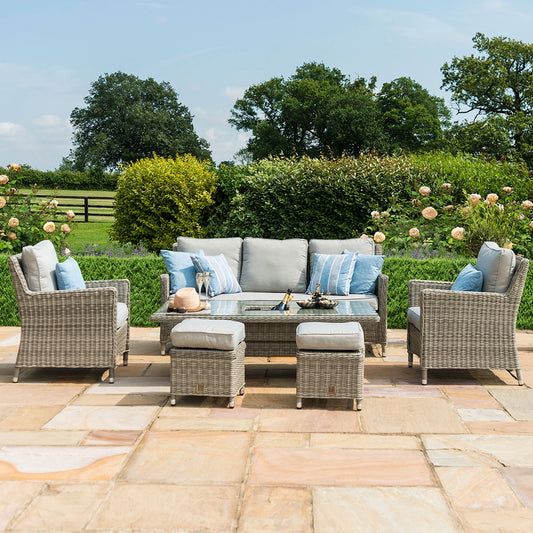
{"x":84,"y":206}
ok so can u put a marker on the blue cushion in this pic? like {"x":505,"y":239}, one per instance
{"x":180,"y":269}
{"x":365,"y":274}
{"x":469,"y":279}
{"x":69,"y":276}
{"x":333,"y":272}
{"x":223,"y":281}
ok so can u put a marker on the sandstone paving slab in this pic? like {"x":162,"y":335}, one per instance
{"x":497,"y":520}
{"x":121,"y":399}
{"x":41,"y":438}
{"x":61,"y":463}
{"x":202,"y":424}
{"x":492,"y":378}
{"x":185,"y":411}
{"x":261,"y":397}
{"x":460,"y":458}
{"x":308,"y":421}
{"x":62,"y":507}
{"x":28,"y":418}
{"x":134,"y":370}
{"x":281,"y":440}
{"x":15,"y":497}
{"x":38,"y":394}
{"x":508,"y":450}
{"x":361,"y":441}
{"x":194,"y":457}
{"x":410,"y":415}
{"x":111,"y":438}
{"x":517,"y":401}
{"x":9,"y":337}
{"x":276,"y":510}
{"x":134,"y":385}
{"x":515,"y":428}
{"x":521,"y":481}
{"x":321,"y":466}
{"x":387,"y":509}
{"x":103,"y":417}
{"x":470,"y":397}
{"x":484,"y":415}
{"x":420,"y":391}
{"x":158,"y":370}
{"x":476,"y":488}
{"x":243,"y":412}
{"x":153,"y":507}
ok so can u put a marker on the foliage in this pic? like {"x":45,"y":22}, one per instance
{"x":497,"y":83}
{"x":160,"y":198}
{"x":91,"y":179}
{"x":127,"y":118}
{"x":412,"y":118}
{"x":23,"y":222}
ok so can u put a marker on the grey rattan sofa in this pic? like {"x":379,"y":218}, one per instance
{"x":470,"y":330}
{"x":265,"y":268}
{"x":71,"y":328}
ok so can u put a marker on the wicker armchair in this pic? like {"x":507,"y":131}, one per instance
{"x":466,"y":329}
{"x":72,"y":328}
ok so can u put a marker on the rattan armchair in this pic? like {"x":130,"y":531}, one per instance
{"x":70,"y":328}
{"x":470,"y":330}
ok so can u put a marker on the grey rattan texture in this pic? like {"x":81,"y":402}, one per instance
{"x":203,"y":372}
{"x":466,"y":329}
{"x":71,"y":329}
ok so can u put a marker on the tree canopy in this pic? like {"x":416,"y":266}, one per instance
{"x":496,"y":85}
{"x":127,"y":118}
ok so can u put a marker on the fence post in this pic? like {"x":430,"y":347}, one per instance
{"x":86,"y":201}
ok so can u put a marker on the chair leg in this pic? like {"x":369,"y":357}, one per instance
{"x":424,"y":376}
{"x":519,"y":376}
{"x":410,"y":359}
{"x":125,"y":358}
{"x":298,"y":403}
{"x":111,"y":375}
{"x":16,"y":375}
{"x":358,"y":404}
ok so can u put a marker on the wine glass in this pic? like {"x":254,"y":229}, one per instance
{"x":199,"y":282}
{"x":207,"y":280}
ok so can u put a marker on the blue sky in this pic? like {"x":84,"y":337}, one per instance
{"x":210,"y":51}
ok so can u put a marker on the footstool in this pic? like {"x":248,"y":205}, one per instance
{"x":330,"y":361}
{"x":207,"y":359}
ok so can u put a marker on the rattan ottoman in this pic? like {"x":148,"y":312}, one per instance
{"x":330,"y":361}
{"x":207,"y":359}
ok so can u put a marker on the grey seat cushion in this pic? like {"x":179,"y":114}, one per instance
{"x":39,"y":266}
{"x":213,"y":334}
{"x":122,"y":314}
{"x":230,"y":247}
{"x":271,"y":265}
{"x":330,"y":336}
{"x":413,"y":316}
{"x":497,"y":265}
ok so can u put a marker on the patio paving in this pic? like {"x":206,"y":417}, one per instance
{"x":80,"y":454}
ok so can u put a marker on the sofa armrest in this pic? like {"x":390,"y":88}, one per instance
{"x":122,"y":286}
{"x":382,"y":286}
{"x":164,"y":287}
{"x":416,"y":286}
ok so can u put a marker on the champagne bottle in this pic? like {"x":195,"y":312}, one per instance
{"x":283,"y":305}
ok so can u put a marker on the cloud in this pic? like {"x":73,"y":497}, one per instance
{"x":498,"y":6}
{"x":10,"y":129}
{"x":234,"y":93}
{"x":49,"y":121}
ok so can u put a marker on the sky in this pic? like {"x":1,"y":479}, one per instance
{"x":211,"y":51}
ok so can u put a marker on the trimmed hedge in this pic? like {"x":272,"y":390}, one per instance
{"x":143,"y":273}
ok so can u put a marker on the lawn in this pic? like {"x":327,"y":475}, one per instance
{"x":86,"y":233}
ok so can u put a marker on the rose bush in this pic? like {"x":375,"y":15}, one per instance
{"x":24,"y":222}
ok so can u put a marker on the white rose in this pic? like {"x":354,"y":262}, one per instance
{"x":379,"y":237}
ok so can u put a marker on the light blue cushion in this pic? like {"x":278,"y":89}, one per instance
{"x":469,"y":279}
{"x":333,"y":272}
{"x":69,"y":276}
{"x":223,"y":281}
{"x":365,"y":274}
{"x":180,"y":269}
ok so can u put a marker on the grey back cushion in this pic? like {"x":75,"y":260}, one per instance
{"x":39,"y":266}
{"x":272,"y":265}
{"x":337,"y":246}
{"x":497,"y":265}
{"x":231,"y":248}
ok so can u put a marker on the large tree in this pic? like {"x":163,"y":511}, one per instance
{"x":127,"y":118}
{"x":317,"y":110}
{"x":413,"y":119}
{"x":496,"y":85}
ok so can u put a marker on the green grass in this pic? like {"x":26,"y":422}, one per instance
{"x":87,"y":233}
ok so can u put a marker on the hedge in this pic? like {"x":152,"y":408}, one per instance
{"x":143,"y":273}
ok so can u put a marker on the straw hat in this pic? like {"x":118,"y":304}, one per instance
{"x":189,"y":299}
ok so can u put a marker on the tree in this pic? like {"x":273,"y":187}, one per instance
{"x":127,"y":118}
{"x":317,"y":110}
{"x":412,"y":118}
{"x":496,"y":83}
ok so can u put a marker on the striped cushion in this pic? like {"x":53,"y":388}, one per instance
{"x":222,"y":278}
{"x":333,"y":272}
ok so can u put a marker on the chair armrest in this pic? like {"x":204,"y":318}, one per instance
{"x":122,"y":286}
{"x":416,"y":286}
{"x":164,"y":287}
{"x":382,"y":286}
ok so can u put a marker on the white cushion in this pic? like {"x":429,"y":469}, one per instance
{"x":330,"y":336}
{"x":413,"y":316}
{"x":39,"y":266}
{"x":214,"y":334}
{"x":122,"y":314}
{"x":274,"y":265}
{"x":497,"y":265}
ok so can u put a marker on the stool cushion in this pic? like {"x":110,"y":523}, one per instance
{"x":214,"y":334}
{"x":332,"y":336}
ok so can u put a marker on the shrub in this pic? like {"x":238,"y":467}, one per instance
{"x":160,"y":198}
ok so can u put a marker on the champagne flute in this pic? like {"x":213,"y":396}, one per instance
{"x":199,"y":282}
{"x":207,"y":280}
